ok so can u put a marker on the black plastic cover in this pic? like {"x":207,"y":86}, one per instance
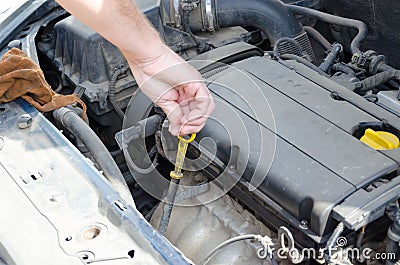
{"x":318,"y":163}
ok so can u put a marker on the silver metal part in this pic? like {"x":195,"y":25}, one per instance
{"x":24,"y":121}
{"x":191,"y":192}
{"x":287,"y":245}
{"x":197,"y":230}
{"x":210,"y":16}
{"x":389,"y":101}
{"x":57,"y":208}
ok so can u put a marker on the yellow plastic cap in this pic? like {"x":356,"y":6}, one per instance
{"x":380,"y":140}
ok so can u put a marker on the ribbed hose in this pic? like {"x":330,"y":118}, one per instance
{"x":270,"y":16}
{"x":331,"y":19}
{"x":71,"y":121}
{"x":287,"y":40}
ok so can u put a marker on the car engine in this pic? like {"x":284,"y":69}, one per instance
{"x":302,"y":151}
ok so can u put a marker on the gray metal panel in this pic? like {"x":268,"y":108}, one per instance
{"x":62,"y":194}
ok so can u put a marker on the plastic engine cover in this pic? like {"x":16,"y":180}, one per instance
{"x":318,"y":163}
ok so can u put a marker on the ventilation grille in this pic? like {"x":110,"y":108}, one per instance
{"x":289,"y":48}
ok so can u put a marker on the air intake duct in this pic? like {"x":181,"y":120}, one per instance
{"x":272,"y":17}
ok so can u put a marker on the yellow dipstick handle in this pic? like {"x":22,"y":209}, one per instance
{"x":180,"y":156}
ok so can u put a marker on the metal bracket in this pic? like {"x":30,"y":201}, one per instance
{"x":191,"y":192}
{"x":210,"y":17}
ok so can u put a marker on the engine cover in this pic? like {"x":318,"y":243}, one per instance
{"x":318,"y":162}
{"x":306,"y":168}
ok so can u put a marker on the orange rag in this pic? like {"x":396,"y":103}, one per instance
{"x":22,"y":77}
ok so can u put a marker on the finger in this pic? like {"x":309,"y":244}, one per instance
{"x":201,"y":109}
{"x":175,"y":130}
{"x":186,"y":106}
{"x":195,"y":124}
{"x":199,"y":114}
{"x":174,"y":114}
{"x":197,"y":118}
{"x":185,"y":130}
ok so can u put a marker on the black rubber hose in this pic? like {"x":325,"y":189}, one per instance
{"x":315,"y":35}
{"x":111,"y":90}
{"x":377,"y":80}
{"x":341,"y":21}
{"x":331,"y":57}
{"x":302,"y":61}
{"x":392,"y":244}
{"x":270,"y":16}
{"x":340,"y":67}
{"x":73,"y":123}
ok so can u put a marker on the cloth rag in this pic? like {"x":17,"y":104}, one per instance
{"x":22,"y":77}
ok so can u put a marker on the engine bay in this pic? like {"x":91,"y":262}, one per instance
{"x":302,"y":148}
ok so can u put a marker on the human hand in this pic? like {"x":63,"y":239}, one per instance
{"x":177,"y":88}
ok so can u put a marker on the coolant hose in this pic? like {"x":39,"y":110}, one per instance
{"x":341,"y":21}
{"x":81,"y":130}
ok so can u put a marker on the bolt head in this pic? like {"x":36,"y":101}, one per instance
{"x":304,"y":224}
{"x":24,"y":121}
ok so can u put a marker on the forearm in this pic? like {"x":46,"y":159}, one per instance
{"x":122,"y":24}
{"x":163,"y":76}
